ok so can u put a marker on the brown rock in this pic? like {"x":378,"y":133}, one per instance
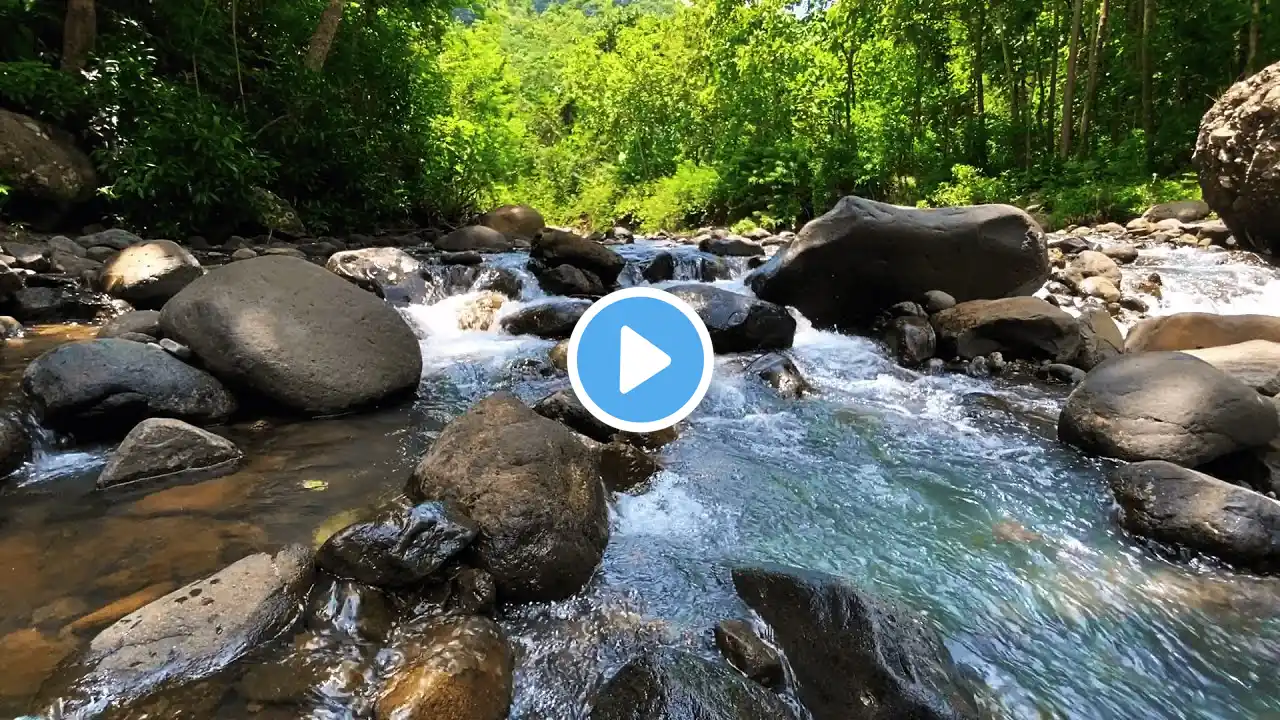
{"x":1189,"y":331}
{"x":112,"y":612}
{"x":27,"y":657}
{"x":461,"y":670}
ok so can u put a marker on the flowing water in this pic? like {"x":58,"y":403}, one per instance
{"x":947,"y":494}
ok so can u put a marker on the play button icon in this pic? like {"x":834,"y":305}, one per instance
{"x":640,"y":359}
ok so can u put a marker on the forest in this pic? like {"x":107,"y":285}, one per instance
{"x":652,"y":113}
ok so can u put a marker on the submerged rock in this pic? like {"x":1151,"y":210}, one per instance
{"x":104,"y":387}
{"x":295,"y":334}
{"x":864,"y":256}
{"x":457,"y":670}
{"x":399,"y":548}
{"x":147,"y":275}
{"x":1021,"y":328}
{"x":1165,"y":406}
{"x":160,"y":448}
{"x":190,"y":633}
{"x":781,"y":373}
{"x":1168,"y":503}
{"x":534,"y":489}
{"x":1189,"y":331}
{"x":675,"y":685}
{"x":553,"y":319}
{"x":854,"y":656}
{"x":738,"y":323}
{"x":744,"y":650}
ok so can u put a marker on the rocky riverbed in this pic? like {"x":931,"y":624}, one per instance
{"x":371,"y":494}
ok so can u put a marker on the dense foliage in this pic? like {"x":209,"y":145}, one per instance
{"x":660,"y":112}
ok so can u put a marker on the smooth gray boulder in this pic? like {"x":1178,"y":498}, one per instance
{"x":1100,"y":339}
{"x":854,"y":655}
{"x":1194,"y":330}
{"x":167,"y":449}
{"x":554,"y":247}
{"x":1165,"y":406}
{"x":147,"y":275}
{"x":736,"y":322}
{"x":105,"y":387}
{"x":296,"y":334}
{"x":1171,"y":504}
{"x":863,"y":256}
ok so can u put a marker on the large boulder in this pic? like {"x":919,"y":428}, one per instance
{"x":1186,"y":211}
{"x":104,"y":387}
{"x":854,"y":656}
{"x":163,"y":448}
{"x":552,"y":319}
{"x":731,"y":246}
{"x":1255,"y":363}
{"x":296,"y":334}
{"x":676,"y":685}
{"x":1189,"y":331}
{"x":514,"y":221}
{"x":1237,"y":153}
{"x":557,"y":247}
{"x":459,"y":669}
{"x":1165,"y":406}
{"x":736,"y":322}
{"x":863,"y":256}
{"x":149,"y":274}
{"x":276,"y":214}
{"x":1021,"y":328}
{"x":1171,"y":504}
{"x":390,"y":272}
{"x":41,"y":162}
{"x":400,"y":547}
{"x":191,"y":633}
{"x":566,"y":280}
{"x":532,"y":486}
{"x":476,"y":238}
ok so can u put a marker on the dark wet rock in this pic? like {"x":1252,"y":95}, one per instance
{"x":1134,"y":303}
{"x":65,"y":245}
{"x":320,"y":250}
{"x":56,"y":303}
{"x":563,"y":406}
{"x":515,"y":221}
{"x":738,"y":323}
{"x":1187,"y":331}
{"x":623,"y":467}
{"x":660,"y":269}
{"x":1061,"y":372}
{"x":854,"y":656}
{"x":147,"y":275}
{"x":446,"y":280}
{"x":534,"y":489}
{"x":100,"y":253}
{"x":906,"y":309}
{"x":471,"y":592}
{"x":1122,"y":253}
{"x":711,"y":269}
{"x":1171,"y":504}
{"x":911,"y":340}
{"x":116,"y":239}
{"x":106,"y":386}
{"x":1181,"y":210}
{"x":15,"y":445}
{"x":1165,"y":406}
{"x":732,"y":246}
{"x":296,"y":680}
{"x":864,"y":255}
{"x":558,"y":356}
{"x":10,"y":281}
{"x":553,"y":320}
{"x":192,"y":632}
{"x":937,"y":301}
{"x":469,"y":257}
{"x":676,"y":685}
{"x":566,"y":280}
{"x":556,"y":247}
{"x":781,"y":373}
{"x":29,"y":256}
{"x":399,"y":548}
{"x":458,"y":669}
{"x":165,"y":449}
{"x":477,"y":238}
{"x":1070,"y":245}
{"x":744,"y":649}
{"x":296,"y":334}
{"x":376,"y":269}
{"x":499,"y":280}
{"x":1100,"y":339}
{"x":1091,"y":264}
{"x":358,"y":611}
{"x":1021,"y":328}
{"x":1215,"y":231}
{"x":1255,"y":363}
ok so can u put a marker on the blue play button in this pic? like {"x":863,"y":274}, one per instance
{"x":640,"y":359}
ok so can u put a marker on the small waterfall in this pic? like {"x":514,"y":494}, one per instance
{"x":49,"y":458}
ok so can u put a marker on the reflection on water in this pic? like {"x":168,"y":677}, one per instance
{"x":946,"y":493}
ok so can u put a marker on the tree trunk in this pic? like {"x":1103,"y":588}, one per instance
{"x":1251,"y":63}
{"x":980,"y":102}
{"x":1148,"y":121}
{"x":1091,"y":84}
{"x":1053,"y":81}
{"x":78,"y":34}
{"x":322,"y":38}
{"x":1069,"y":85}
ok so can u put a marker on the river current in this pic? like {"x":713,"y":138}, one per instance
{"x":945,"y":493}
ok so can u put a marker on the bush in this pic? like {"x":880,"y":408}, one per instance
{"x":680,"y":199}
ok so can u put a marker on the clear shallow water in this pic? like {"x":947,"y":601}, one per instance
{"x":947,"y":494}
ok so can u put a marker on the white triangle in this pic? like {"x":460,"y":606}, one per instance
{"x":640,"y":360}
